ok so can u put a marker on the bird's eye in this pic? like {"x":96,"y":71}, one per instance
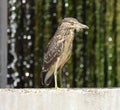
{"x":72,"y":23}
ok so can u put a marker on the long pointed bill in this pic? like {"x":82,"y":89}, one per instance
{"x":81,"y":27}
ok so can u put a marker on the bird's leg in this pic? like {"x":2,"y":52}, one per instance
{"x":55,"y":73}
{"x":60,"y":76}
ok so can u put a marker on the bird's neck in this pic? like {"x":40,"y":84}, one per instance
{"x":65,"y":32}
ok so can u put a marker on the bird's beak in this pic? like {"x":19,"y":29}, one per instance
{"x":81,"y":26}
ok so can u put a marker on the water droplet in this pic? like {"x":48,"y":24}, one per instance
{"x":24,"y":36}
{"x":66,"y":4}
{"x":54,"y":1}
{"x":30,"y":43}
{"x":13,"y":8}
{"x":109,"y":39}
{"x":81,"y":65}
{"x":28,"y":37}
{"x":23,"y":1}
{"x":110,"y":55}
{"x":66,"y":73}
{"x":86,"y":32}
{"x":110,"y":67}
{"x":27,"y":74}
{"x":28,"y":66}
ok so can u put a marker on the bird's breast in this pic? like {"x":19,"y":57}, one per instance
{"x":67,"y":50}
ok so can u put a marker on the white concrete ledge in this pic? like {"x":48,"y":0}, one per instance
{"x":63,"y":99}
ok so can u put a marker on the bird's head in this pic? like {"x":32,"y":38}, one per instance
{"x":73,"y":23}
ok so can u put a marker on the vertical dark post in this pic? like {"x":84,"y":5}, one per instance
{"x":114,"y":29}
{"x":3,"y":42}
{"x":53,"y":17}
{"x":94,"y":41}
{"x":39,"y":39}
{"x":74,"y":49}
{"x":84,"y":45}
{"x":105,"y":46}
{"x":63,"y":9}
{"x":32,"y":23}
{"x":20,"y":44}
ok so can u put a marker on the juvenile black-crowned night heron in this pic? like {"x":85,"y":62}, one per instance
{"x":59,"y":49}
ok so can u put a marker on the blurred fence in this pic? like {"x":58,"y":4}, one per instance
{"x":95,"y":58}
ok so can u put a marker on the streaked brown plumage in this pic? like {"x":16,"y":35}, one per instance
{"x":59,"y":47}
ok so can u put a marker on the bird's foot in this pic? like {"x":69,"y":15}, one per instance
{"x":58,"y":88}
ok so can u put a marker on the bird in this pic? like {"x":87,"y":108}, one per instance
{"x":59,"y":49}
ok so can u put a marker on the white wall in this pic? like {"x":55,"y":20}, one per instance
{"x":3,"y":43}
{"x":63,"y":99}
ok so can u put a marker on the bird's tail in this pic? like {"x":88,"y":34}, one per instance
{"x":46,"y":78}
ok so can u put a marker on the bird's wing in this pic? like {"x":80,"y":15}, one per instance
{"x":52,"y":52}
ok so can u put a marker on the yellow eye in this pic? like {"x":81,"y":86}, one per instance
{"x":72,"y":23}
